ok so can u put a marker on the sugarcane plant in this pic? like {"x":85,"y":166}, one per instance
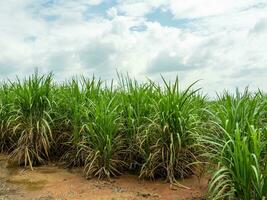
{"x":30,"y":121}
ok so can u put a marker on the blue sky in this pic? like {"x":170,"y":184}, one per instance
{"x":223,"y":43}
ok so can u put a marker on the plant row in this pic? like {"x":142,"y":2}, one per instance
{"x":149,"y":129}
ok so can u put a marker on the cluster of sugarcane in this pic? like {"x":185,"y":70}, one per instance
{"x":149,"y":129}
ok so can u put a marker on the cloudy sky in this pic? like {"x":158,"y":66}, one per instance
{"x":221,"y":42}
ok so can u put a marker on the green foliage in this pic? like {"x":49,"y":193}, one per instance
{"x":168,"y":143}
{"x":243,"y":109}
{"x":104,"y":142}
{"x":73,"y":101}
{"x":241,"y":171}
{"x":153,"y":130}
{"x":29,"y":120}
{"x":238,"y":149}
{"x":5,"y":108}
{"x":136,"y":107}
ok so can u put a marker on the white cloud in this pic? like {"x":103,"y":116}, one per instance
{"x":205,"y":8}
{"x":224,"y":44}
{"x":139,"y":8}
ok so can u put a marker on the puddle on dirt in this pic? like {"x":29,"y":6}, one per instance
{"x":51,"y":182}
{"x":11,"y":175}
{"x":29,"y":185}
{"x":5,"y":170}
{"x":47,"y":170}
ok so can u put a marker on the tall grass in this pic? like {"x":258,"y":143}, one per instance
{"x":104,"y":141}
{"x":243,"y":108}
{"x":136,"y":107}
{"x":242,"y":170}
{"x":30,"y":120}
{"x":150,"y":129}
{"x":237,"y":143}
{"x":5,"y":108}
{"x":73,"y":102}
{"x":168,"y":142}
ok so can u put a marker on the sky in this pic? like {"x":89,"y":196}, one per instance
{"x":222,"y":43}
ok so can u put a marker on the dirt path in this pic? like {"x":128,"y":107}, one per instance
{"x":53,"y":183}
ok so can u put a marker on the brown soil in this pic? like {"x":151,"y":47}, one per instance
{"x":53,"y":183}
